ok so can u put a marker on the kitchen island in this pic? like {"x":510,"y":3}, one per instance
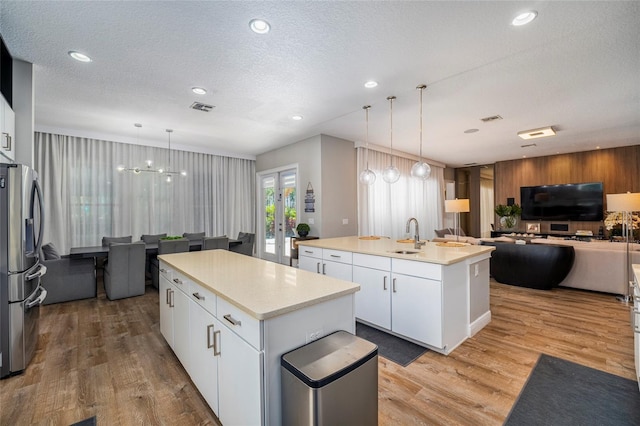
{"x":436,"y":296}
{"x":229,"y":317}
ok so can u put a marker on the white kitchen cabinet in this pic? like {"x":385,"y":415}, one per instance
{"x":416,"y":308}
{"x":203,"y":360}
{"x":7,"y":130}
{"x":239,"y":380}
{"x":166,"y":310}
{"x":181,"y":320}
{"x":333,"y":263}
{"x":373,"y":301}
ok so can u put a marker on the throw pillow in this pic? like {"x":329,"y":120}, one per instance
{"x":50,"y":252}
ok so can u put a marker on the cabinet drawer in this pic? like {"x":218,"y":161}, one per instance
{"x":417,"y":269}
{"x":180,"y":282}
{"x":309,"y":251}
{"x":337,"y":256}
{"x":165,"y":271}
{"x":374,"y":262}
{"x":203,"y":297}
{"x":240,"y":322}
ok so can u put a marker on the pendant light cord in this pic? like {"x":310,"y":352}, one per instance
{"x":421,"y":88}
{"x":391,"y":98}
{"x":366,"y":140}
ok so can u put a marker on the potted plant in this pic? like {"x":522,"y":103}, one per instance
{"x":508,"y":215}
{"x":303,"y":229}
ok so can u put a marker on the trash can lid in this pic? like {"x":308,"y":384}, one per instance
{"x":327,"y":359}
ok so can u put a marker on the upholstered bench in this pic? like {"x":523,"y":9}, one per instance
{"x":539,"y":266}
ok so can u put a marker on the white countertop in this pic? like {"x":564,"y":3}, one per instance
{"x":430,"y":252}
{"x":260,"y":288}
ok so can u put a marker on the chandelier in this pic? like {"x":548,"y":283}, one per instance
{"x":167,"y":173}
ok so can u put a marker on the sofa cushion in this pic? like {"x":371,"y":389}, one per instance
{"x":50,"y":252}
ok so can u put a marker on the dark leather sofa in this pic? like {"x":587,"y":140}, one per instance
{"x":539,"y":266}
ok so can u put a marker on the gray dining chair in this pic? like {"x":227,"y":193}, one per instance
{"x":124,"y":270}
{"x":247,"y":242}
{"x":194,"y":236}
{"x":150,"y":239}
{"x":179,"y":245}
{"x":212,"y":243}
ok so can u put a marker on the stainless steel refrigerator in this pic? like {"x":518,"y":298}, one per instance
{"x":21,"y":227}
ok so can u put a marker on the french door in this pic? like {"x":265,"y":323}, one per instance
{"x":278,"y":214}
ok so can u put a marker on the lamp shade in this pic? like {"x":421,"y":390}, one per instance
{"x":628,"y":202}
{"x":456,"y":206}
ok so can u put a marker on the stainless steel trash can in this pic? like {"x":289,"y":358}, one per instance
{"x":331,"y":381}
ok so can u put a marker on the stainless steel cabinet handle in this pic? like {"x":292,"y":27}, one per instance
{"x":232,"y":320}
{"x":164,"y":271}
{"x":168,"y":290}
{"x":384,"y":283}
{"x":318,"y":267}
{"x":171,"y":305}
{"x":197,"y":296}
{"x":209,"y":343}
{"x":216,"y":345}
{"x":178,"y":281}
{"x":335,"y":255}
{"x":308,"y":251}
{"x":394,"y":285}
{"x":324,"y":269}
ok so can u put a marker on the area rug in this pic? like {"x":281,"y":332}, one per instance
{"x":560,"y":392}
{"x":91,"y":421}
{"x":390,"y":347}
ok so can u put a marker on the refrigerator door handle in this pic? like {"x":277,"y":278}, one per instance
{"x":36,"y":193}
{"x":37,"y":274}
{"x":39,"y":300}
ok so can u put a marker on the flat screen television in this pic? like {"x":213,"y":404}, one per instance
{"x":579,"y":201}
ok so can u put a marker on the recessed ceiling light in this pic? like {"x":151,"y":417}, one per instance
{"x":297,"y":117}
{"x":79,"y":56}
{"x":524,"y":18}
{"x":471,"y":130}
{"x":371,"y":84}
{"x":199,"y":90}
{"x":537,"y":133}
{"x":259,"y":26}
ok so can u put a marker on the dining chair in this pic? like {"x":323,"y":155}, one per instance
{"x":194,"y":236}
{"x":150,"y":239}
{"x":124,"y":270}
{"x":179,"y":245}
{"x":212,"y":243}
{"x":247,"y":242}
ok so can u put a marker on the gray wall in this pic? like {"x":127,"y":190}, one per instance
{"x":339,"y":191}
{"x":329,"y":164}
{"x":23,"y":106}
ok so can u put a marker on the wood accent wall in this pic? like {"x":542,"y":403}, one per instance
{"x":617,"y":168}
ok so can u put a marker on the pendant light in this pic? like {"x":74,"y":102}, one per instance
{"x":391,"y":174}
{"x":169,"y":173}
{"x":420,"y":169}
{"x":367,"y":176}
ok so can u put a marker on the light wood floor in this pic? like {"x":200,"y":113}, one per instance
{"x":107,"y":358}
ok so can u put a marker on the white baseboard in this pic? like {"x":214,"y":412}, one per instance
{"x":480,"y":323}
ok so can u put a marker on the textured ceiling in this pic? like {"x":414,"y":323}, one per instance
{"x":576,"y":67}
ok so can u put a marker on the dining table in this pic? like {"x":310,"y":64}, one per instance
{"x":151,"y":249}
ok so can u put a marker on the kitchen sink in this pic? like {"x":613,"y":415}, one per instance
{"x":406,"y":251}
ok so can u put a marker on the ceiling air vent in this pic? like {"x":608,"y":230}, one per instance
{"x":201,"y":107}
{"x":470,"y":164}
{"x":492,"y":118}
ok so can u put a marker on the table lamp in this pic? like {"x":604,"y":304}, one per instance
{"x":457,"y":206}
{"x":625,"y":203}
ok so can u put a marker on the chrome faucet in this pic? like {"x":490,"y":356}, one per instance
{"x":417,"y":245}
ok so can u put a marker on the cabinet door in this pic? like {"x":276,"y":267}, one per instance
{"x":181,"y":327}
{"x":342,"y":271}
{"x":373,"y":301}
{"x":416,"y":308}
{"x":239,"y":380}
{"x":7,"y":122}
{"x":203,"y":363}
{"x":166,"y":310}
{"x":310,"y":264}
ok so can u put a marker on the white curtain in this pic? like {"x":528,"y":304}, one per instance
{"x":486,"y":207}
{"x":383,"y":209}
{"x":86,"y":198}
